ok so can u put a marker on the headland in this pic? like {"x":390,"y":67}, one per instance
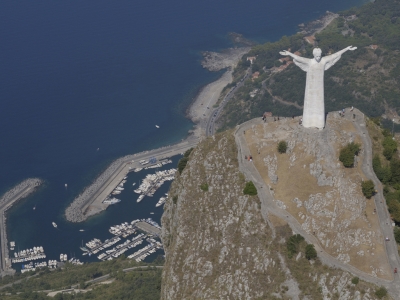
{"x":317,"y":25}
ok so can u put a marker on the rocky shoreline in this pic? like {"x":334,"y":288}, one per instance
{"x":216,"y":61}
{"x":317,"y":25}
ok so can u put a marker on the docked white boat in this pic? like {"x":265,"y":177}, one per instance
{"x":140,"y":198}
{"x":137,"y":169}
{"x":111,"y":201}
{"x":161,"y":201}
{"x":116,"y":192}
{"x":54,"y":224}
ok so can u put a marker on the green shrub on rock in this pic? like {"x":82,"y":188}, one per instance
{"x":384,"y":174}
{"x":182,"y":164}
{"x":311,"y":253}
{"x":368,"y":188}
{"x":293,"y":243}
{"x":395,"y":171}
{"x":282,"y":147}
{"x":184,"y":160}
{"x":204,"y":187}
{"x":389,"y":147}
{"x":355,"y":280}
{"x":250,"y":189}
{"x":347,"y":154}
{"x":381,"y":292}
{"x":394,"y":209}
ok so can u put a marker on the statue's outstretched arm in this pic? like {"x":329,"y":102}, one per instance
{"x":339,"y":53}
{"x":351,"y":48}
{"x":296,"y":57}
{"x":333,"y":58}
{"x":301,"y":62}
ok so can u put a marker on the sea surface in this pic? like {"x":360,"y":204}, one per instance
{"x":76,"y":76}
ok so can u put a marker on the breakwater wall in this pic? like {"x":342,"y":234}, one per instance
{"x":74,"y":212}
{"x":21,"y":188}
{"x":89,"y":202}
{"x":18,"y":192}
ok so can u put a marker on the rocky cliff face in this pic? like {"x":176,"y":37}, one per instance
{"x":219,"y":246}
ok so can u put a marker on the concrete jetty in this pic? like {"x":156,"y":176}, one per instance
{"x":6,"y":201}
{"x":146,"y":227}
{"x":90,"y":201}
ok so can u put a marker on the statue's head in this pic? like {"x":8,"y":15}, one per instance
{"x":317,"y":52}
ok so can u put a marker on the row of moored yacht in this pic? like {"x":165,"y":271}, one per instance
{"x":153,"y":181}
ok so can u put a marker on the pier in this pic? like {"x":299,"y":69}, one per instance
{"x":16,"y":193}
{"x":146,"y":251}
{"x":123,"y":247}
{"x":90,"y":202}
{"x":106,"y":244}
{"x":150,"y":229}
{"x":125,"y":229}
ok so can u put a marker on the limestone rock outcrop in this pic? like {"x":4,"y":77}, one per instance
{"x":219,"y":246}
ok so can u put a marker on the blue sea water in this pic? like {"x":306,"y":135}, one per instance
{"x":80,"y":75}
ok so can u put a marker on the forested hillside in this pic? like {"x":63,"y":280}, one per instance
{"x":367,"y":78}
{"x":123,"y":279}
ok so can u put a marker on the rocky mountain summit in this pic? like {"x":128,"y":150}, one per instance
{"x":312,"y":185}
{"x":222,"y":244}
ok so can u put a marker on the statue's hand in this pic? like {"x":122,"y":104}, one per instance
{"x":284,"y":52}
{"x":352,"y":48}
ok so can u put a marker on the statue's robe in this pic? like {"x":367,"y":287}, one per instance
{"x":314,"y":104}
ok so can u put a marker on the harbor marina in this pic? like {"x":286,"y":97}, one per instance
{"x":149,"y":184}
{"x":128,"y":242}
{"x":34,"y":253}
{"x":152,"y":182}
{"x":150,"y":230}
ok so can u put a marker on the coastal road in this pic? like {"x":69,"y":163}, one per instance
{"x":269,"y":206}
{"x":210,"y":126}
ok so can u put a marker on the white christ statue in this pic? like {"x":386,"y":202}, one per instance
{"x":314,"y":106}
